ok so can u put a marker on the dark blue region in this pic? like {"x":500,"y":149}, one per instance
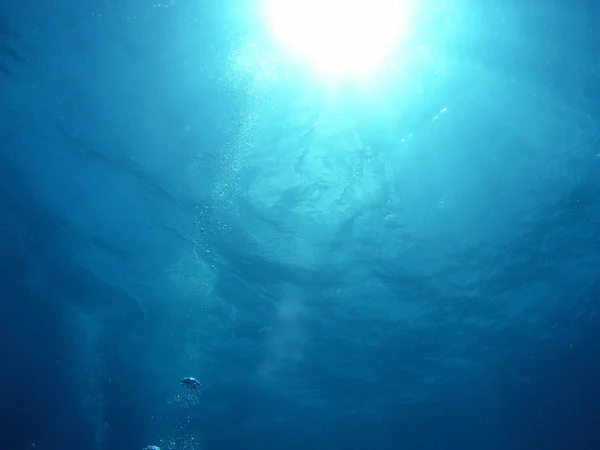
{"x":416,"y":269}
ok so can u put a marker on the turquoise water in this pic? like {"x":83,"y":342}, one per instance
{"x":408,"y":261}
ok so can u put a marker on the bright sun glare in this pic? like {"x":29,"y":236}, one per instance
{"x":339,"y":37}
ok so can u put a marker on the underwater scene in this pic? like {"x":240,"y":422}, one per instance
{"x":286,"y":224}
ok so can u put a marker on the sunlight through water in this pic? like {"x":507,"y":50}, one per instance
{"x":340,"y":38}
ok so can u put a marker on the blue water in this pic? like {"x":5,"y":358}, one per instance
{"x":407,"y":263}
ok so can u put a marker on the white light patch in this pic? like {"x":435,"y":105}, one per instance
{"x":340,"y":37}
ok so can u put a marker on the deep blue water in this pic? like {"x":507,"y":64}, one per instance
{"x":410,"y":264}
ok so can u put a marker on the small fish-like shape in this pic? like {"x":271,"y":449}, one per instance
{"x":191,"y":383}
